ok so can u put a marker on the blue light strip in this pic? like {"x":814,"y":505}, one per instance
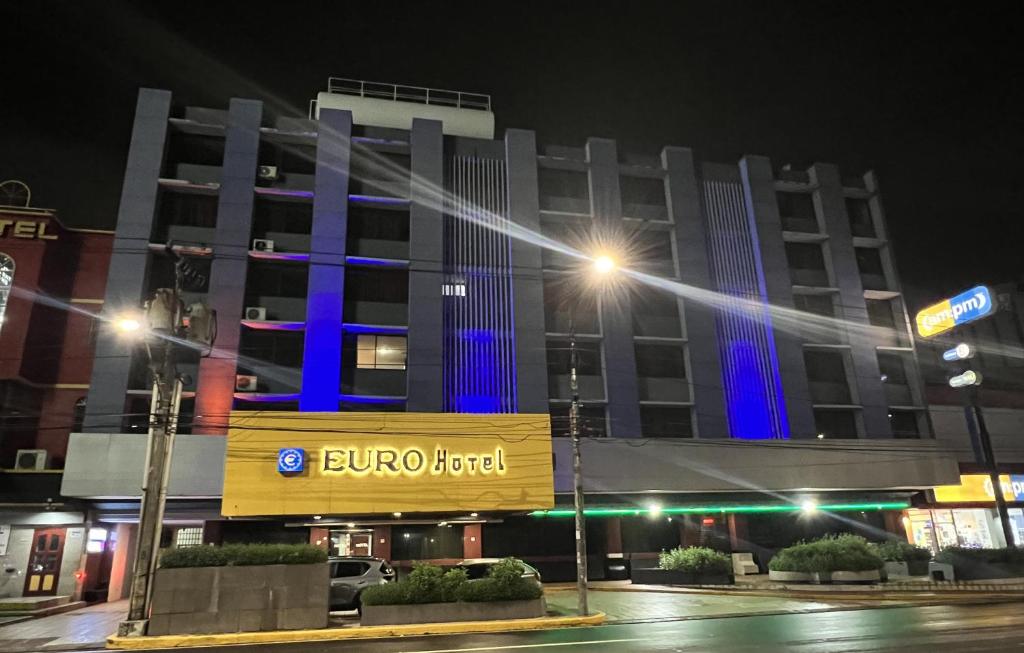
{"x":369,"y":261}
{"x":367,"y":399}
{"x":376,"y":199}
{"x":277,"y":398}
{"x":380,"y":329}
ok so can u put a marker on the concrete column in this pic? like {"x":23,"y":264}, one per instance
{"x":867,"y":376}
{"x":738,"y":538}
{"x":527,"y":279}
{"x":619,"y":354}
{"x":425,"y":366}
{"x":321,"y":358}
{"x":381,"y":546}
{"x":613,"y":534}
{"x":689,"y":530}
{"x":124,"y":558}
{"x":691,"y":251}
{"x":215,"y":387}
{"x":473,"y":541}
{"x":763,"y":211}
{"x":129,"y":263}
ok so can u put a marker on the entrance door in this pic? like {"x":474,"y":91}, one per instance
{"x":352,"y":543}
{"x":44,"y":562}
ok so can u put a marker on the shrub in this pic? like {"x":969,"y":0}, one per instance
{"x":827,"y":554}
{"x":900,"y":551}
{"x":695,"y":560}
{"x":431,"y":584}
{"x":242,"y":555}
{"x":955,"y":555}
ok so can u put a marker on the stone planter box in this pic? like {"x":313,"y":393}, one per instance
{"x":917,"y":567}
{"x":986,"y":570}
{"x":790,"y":576}
{"x":649,"y":576}
{"x":239,"y":599}
{"x":872,"y":576}
{"x":427,"y":613}
{"x":893,"y":568}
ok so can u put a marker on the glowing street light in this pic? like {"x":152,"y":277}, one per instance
{"x":127,"y":324}
{"x":809,"y":506}
{"x":603,"y":264}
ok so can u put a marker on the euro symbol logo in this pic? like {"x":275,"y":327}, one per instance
{"x":291,"y":460}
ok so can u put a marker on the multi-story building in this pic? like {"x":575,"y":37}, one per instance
{"x":391,"y":253}
{"x":966,"y":515}
{"x":51,"y":284}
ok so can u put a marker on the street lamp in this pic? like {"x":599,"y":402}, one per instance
{"x":127,"y":325}
{"x":602,"y":267}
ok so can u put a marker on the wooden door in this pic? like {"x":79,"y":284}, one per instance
{"x":43,"y":572}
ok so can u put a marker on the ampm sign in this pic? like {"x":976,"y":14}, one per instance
{"x":968,"y":306}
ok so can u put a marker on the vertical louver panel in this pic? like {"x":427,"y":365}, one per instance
{"x":479,"y":357}
{"x":750,"y":374}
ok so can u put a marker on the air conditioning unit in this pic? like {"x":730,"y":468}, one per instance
{"x":258,"y":313}
{"x":267,"y":173}
{"x":30,"y":459}
{"x":245,"y":382}
{"x":262,"y":245}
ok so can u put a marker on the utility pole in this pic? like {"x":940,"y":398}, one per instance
{"x":993,"y":469}
{"x":577,"y":478}
{"x":165,"y":314}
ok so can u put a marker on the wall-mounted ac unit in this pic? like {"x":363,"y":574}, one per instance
{"x":267,"y":173}
{"x":257,"y":313}
{"x":246,"y":383}
{"x":30,"y":459}
{"x":262,"y":245}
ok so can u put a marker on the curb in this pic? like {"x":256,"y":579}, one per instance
{"x":358,"y":632}
{"x":834,"y":595}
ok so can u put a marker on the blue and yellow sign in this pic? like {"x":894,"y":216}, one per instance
{"x":291,"y":460}
{"x":968,"y":306}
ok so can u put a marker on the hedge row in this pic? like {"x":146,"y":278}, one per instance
{"x":242,"y":555}
{"x":695,"y":560}
{"x":430,"y":584}
{"x":828,"y":554}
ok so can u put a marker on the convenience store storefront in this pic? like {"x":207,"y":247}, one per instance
{"x":965,"y":515}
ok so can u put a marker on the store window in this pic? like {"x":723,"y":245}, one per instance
{"x":188,"y":536}
{"x":380,"y":352}
{"x":6,"y":283}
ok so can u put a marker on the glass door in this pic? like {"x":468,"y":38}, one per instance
{"x":43,"y":571}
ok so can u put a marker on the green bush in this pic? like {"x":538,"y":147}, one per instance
{"x":242,"y":555}
{"x":827,"y":554}
{"x":695,"y":560}
{"x":900,"y":551}
{"x":430,"y":584}
{"x":958,"y":555}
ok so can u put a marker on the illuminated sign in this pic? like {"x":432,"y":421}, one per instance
{"x":291,"y":460}
{"x":968,"y":306}
{"x":362,"y":463}
{"x":30,"y":229}
{"x":975,"y":488}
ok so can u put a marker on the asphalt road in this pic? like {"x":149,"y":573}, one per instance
{"x":950,"y":628}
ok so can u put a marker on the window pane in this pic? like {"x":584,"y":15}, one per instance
{"x":55,"y":542}
{"x":661,"y":361}
{"x":859,"y":213}
{"x":391,"y":353}
{"x":880,"y":313}
{"x":816,"y":304}
{"x":904,"y":424}
{"x":665,"y":422}
{"x":835,"y":423}
{"x":366,"y":351}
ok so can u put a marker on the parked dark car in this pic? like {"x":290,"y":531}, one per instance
{"x":477,"y":568}
{"x":350,"y":575}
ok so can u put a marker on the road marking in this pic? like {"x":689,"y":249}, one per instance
{"x":513,"y":646}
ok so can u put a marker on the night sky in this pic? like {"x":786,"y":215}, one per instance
{"x":928,"y":94}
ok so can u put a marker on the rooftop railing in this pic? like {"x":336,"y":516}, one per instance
{"x":415,"y":94}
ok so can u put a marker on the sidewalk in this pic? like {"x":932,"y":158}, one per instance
{"x":85,"y":628}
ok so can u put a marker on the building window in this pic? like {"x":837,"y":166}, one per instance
{"x":807,"y":264}
{"x":653,"y":250}
{"x":655,"y":313}
{"x":660,"y":361}
{"x":835,"y":424}
{"x":796,"y":211}
{"x":904,"y":424}
{"x":380,"y":352}
{"x":189,"y":536}
{"x":553,"y":183}
{"x":826,"y":372}
{"x":815,"y":304}
{"x":665,"y":421}
{"x":454,"y":288}
{"x":859,"y":213}
{"x":892,"y":368}
{"x":6,"y":283}
{"x":872,"y":274}
{"x":880,"y":313}
{"x":591,"y":424}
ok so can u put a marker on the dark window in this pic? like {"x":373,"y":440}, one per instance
{"x":859,"y":212}
{"x":41,"y":543}
{"x":661,"y":361}
{"x":282,"y":348}
{"x":562,"y":183}
{"x":880,"y":313}
{"x":565,"y":309}
{"x":665,"y":421}
{"x":869,"y":262}
{"x":282,"y":217}
{"x":643,"y":535}
{"x":892,"y":368}
{"x":277,"y":280}
{"x":655,"y":313}
{"x":837,"y":424}
{"x":904,"y":424}
{"x":376,"y":285}
{"x":426,"y":542}
{"x":826,"y":373}
{"x":55,"y":542}
{"x":653,"y":252}
{"x":806,"y":264}
{"x":345,"y":569}
{"x":377,"y":224}
{"x":195,"y":149}
{"x":797,"y":212}
{"x":592,"y":420}
{"x":816,"y":304}
{"x":588,"y":358}
{"x":642,"y":190}
{"x":184,"y":210}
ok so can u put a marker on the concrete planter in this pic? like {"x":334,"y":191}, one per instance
{"x":870,"y":576}
{"x":790,"y":576}
{"x":893,"y":568}
{"x":426,"y":613}
{"x":654,"y":576}
{"x":975,"y":570}
{"x":239,"y":599}
{"x":917,"y":567}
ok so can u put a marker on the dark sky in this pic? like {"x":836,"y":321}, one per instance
{"x":928,"y":94}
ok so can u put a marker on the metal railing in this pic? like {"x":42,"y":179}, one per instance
{"x":415,"y":94}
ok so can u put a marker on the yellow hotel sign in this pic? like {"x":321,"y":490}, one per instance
{"x":281,"y":463}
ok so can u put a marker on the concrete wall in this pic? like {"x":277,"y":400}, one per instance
{"x":400,"y":115}
{"x":1005,"y":427}
{"x":750,"y":466}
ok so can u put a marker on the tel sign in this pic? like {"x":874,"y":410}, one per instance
{"x":966,"y":307}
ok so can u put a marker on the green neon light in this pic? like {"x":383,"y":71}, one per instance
{"x":704,"y":510}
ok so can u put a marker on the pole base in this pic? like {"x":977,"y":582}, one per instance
{"x":135,"y":628}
